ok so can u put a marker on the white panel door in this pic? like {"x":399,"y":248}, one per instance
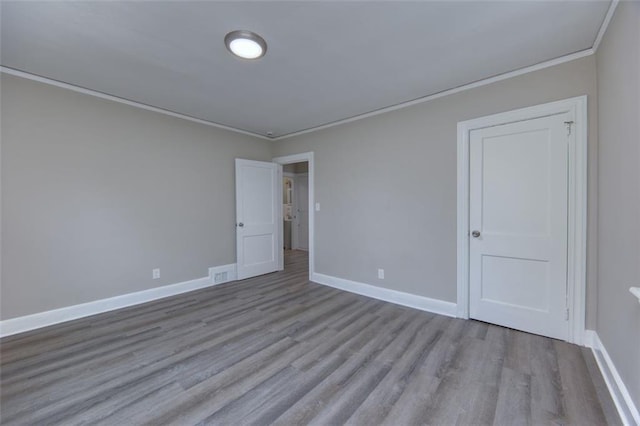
{"x":302,"y":211}
{"x":257,"y":217}
{"x":518,"y":221}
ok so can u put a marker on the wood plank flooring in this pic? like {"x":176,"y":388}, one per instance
{"x":280,"y":350}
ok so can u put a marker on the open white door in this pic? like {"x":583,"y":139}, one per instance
{"x":257,"y":217}
{"x":518,"y":220}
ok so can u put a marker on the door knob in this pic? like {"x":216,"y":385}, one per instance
{"x":475,"y":234}
{"x":241,"y":224}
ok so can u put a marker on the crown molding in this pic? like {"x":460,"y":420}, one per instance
{"x":479,"y":83}
{"x":106,"y":96}
{"x":417,"y":101}
{"x":605,"y":24}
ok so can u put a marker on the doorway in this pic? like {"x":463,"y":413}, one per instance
{"x":522,"y":219}
{"x":297,"y":208}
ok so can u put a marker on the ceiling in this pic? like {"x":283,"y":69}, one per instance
{"x":326,"y":61}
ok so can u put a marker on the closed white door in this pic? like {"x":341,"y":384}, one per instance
{"x":518,"y":221}
{"x":257,"y":216}
{"x":302,"y":211}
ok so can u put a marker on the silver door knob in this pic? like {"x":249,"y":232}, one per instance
{"x":241,"y":224}
{"x":475,"y":234}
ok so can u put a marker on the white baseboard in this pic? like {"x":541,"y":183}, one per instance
{"x":588,"y":340}
{"x":622,"y":399}
{"x":398,"y":297}
{"x":43,"y":319}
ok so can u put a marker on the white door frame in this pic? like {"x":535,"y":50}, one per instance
{"x":577,"y":209}
{"x":299,"y":158}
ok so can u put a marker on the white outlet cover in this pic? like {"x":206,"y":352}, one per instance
{"x":381,"y":274}
{"x":317,"y":207}
{"x":155,"y":274}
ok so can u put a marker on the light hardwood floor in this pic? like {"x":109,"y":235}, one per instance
{"x":278,"y":349}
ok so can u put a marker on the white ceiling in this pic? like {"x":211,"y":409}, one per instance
{"x":326,"y":61}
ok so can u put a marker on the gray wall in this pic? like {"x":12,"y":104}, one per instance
{"x":618,"y":60}
{"x":95,"y":194}
{"x":387,"y":184}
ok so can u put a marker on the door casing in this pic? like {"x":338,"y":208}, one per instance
{"x":576,"y":108}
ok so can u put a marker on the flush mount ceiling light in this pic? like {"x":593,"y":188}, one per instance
{"x":245,"y":44}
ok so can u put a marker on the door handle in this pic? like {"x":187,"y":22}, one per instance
{"x":475,"y":234}
{"x":241,"y":225}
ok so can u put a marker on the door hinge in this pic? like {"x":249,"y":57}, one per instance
{"x":566,"y":314}
{"x":568,"y":124}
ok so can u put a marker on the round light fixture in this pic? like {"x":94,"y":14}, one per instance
{"x":245,"y":44}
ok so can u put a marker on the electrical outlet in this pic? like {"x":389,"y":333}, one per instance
{"x":381,"y":274}
{"x":220,"y":277}
{"x":317,"y":207}
{"x":155,"y":273}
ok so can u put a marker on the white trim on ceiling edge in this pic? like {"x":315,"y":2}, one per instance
{"x":473,"y":85}
{"x":479,"y":83}
{"x":605,"y":24}
{"x":21,"y":324}
{"x":629,"y":413}
{"x":101,"y":95}
{"x":393,"y":296}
